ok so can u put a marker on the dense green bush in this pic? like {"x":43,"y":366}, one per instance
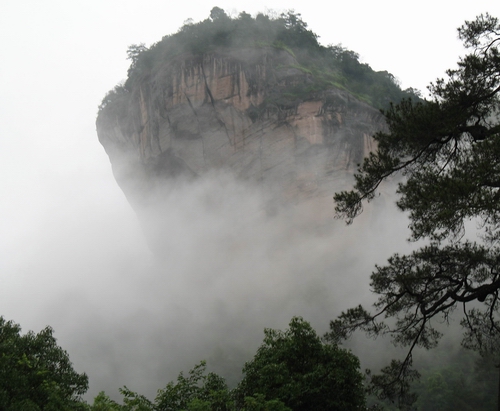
{"x":35,"y":373}
{"x":298,"y":369}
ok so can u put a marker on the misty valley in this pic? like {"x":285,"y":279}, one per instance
{"x":243,"y":147}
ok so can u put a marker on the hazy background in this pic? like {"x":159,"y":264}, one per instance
{"x":72,"y":252}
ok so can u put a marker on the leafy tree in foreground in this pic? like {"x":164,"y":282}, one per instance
{"x":292,"y":370}
{"x":197,"y":391}
{"x":297,"y":368}
{"x":35,"y":373}
{"x":448,"y":150}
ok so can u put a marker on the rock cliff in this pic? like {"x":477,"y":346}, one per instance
{"x":247,"y":112}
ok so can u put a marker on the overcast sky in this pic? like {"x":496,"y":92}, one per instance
{"x":59,"y":204}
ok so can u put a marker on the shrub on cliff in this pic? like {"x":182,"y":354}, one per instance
{"x":326,"y":66}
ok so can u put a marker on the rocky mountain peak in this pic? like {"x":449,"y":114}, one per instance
{"x":270,"y":113}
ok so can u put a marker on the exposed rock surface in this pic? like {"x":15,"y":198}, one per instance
{"x":237,"y":112}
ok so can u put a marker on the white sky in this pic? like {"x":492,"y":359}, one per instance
{"x":59,"y":58}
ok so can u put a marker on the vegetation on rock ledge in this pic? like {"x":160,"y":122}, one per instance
{"x":324,"y":67}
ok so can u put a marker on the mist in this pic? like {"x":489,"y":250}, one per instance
{"x":74,"y":254}
{"x":230,"y":269}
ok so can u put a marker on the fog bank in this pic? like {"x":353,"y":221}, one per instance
{"x":127,"y":317}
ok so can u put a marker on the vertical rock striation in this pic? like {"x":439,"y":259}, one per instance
{"x":248,"y":112}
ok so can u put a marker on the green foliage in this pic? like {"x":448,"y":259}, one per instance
{"x":467,"y":383}
{"x":326,"y":67}
{"x":292,"y":370}
{"x":103,"y":403}
{"x":35,"y":373}
{"x":114,"y":100}
{"x":196,"y":391}
{"x":447,"y":149}
{"x":297,"y":368}
{"x":258,"y":403}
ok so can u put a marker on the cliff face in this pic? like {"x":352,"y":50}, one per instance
{"x":249,"y":113}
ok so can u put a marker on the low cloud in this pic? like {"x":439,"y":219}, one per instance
{"x":228,"y":270}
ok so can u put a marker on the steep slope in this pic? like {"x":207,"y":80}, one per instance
{"x":217,"y":111}
{"x":281,"y":112}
